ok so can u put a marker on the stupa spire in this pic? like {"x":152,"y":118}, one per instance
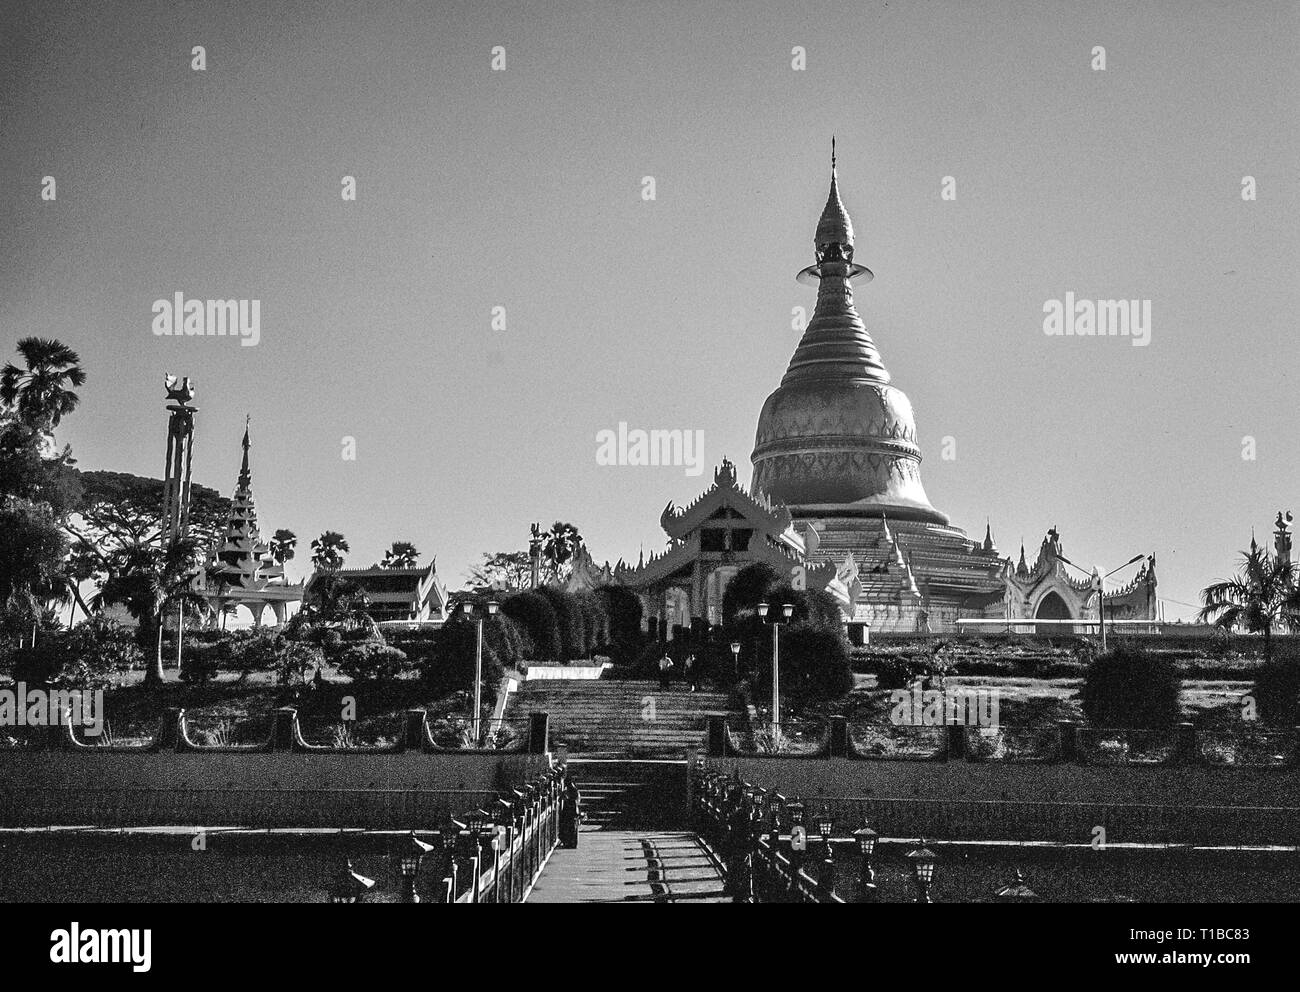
{"x":243,"y":560}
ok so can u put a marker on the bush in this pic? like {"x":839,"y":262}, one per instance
{"x":623,"y":612}
{"x":1129,"y":688}
{"x":747,"y":588}
{"x":568,"y":622}
{"x":201,"y":661}
{"x":449,"y":667}
{"x":295,"y":661}
{"x":1277,"y":692}
{"x":93,"y":654}
{"x":256,"y":649}
{"x":502,"y":635}
{"x":533,"y":614}
{"x":371,"y":662}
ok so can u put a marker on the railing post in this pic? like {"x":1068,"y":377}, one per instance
{"x":539,"y":733}
{"x":285,"y":735}
{"x":1068,"y":732}
{"x":717,"y":739}
{"x":415,"y":736}
{"x":838,"y":744}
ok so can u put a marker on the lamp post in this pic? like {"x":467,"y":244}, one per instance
{"x":923,"y":863}
{"x":826,"y":828}
{"x":349,"y":886}
{"x":492,"y":608}
{"x":735,"y":661}
{"x":787,"y":611}
{"x":450,"y":838}
{"x":409,"y":859}
{"x":1099,"y":587}
{"x":867,"y":838}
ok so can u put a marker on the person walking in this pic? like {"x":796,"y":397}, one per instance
{"x":570,"y":813}
{"x":691,"y":672}
{"x":665,"y":671}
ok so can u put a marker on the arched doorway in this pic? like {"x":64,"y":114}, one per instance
{"x":1052,"y":607}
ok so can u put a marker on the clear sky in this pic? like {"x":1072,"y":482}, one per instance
{"x":523,"y":189}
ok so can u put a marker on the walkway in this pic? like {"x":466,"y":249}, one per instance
{"x":630,"y":866}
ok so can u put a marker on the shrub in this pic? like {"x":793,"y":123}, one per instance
{"x":449,"y":667}
{"x":623,"y":612}
{"x":202,"y":660}
{"x":815,"y":664}
{"x":255,"y":650}
{"x":501,"y":633}
{"x":747,"y":588}
{"x":295,"y":661}
{"x":535,"y":616}
{"x":1277,"y":691}
{"x":90,"y":655}
{"x":568,"y":622}
{"x":371,"y":662}
{"x":1129,"y":688}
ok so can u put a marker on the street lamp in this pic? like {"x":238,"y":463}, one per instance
{"x":349,"y":886}
{"x":867,"y":838}
{"x":923,"y":862}
{"x":468,"y":608}
{"x":787,"y":611}
{"x":1017,"y":891}
{"x":735,"y":661}
{"x":1099,"y":587}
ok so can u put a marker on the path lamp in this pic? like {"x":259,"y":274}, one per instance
{"x":450,"y":837}
{"x":349,"y":886}
{"x":867,"y":838}
{"x":826,"y":829}
{"x":774,"y":810}
{"x":1017,"y":891}
{"x":735,"y":661}
{"x":409,"y":859}
{"x":468,"y":608}
{"x":787,"y":611}
{"x":923,"y":862}
{"x":1099,"y":587}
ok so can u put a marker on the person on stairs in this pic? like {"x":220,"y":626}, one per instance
{"x":570,"y":813}
{"x":691,"y":672}
{"x":665,"y":671}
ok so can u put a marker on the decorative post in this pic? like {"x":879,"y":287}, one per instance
{"x":535,"y":555}
{"x":180,"y":457}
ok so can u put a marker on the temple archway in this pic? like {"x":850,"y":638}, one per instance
{"x":1052,"y":607}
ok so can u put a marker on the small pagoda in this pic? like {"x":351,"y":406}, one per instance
{"x":241,"y":571}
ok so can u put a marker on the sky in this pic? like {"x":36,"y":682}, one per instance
{"x":524,"y":189}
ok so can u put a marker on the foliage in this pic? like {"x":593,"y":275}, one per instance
{"x":283,"y":546}
{"x":568,"y":621}
{"x":1130,"y":688}
{"x":747,"y":588}
{"x":1261,"y":597}
{"x":32,"y":550}
{"x":332,"y":599}
{"x":506,"y":570}
{"x":93,"y":654}
{"x":559,"y":547}
{"x":28,"y":473}
{"x":449,"y":666}
{"x":296,"y":662}
{"x":402,"y":554}
{"x":328,"y":550}
{"x":38,"y":391}
{"x":1277,"y":689}
{"x":535,"y":616}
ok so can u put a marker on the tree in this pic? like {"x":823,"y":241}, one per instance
{"x":32,"y":550}
{"x":535,"y":617}
{"x":747,"y":588}
{"x":147,"y":580}
{"x":28,"y":472}
{"x":559,"y":546}
{"x":39,"y":393}
{"x":506,"y":570}
{"x":283,"y":545}
{"x":1262,"y":596}
{"x":327,"y":551}
{"x":332,"y":599}
{"x":401,"y":555}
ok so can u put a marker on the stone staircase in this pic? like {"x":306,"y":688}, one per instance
{"x":628,"y":794}
{"x":621,"y":718}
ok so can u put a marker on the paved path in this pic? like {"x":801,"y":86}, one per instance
{"x":630,"y":866}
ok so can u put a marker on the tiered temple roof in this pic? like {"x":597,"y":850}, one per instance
{"x":242,"y":560}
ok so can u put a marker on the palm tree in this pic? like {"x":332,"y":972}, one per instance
{"x":559,"y":546}
{"x":1263,"y":595}
{"x":327,"y":551}
{"x":39,"y":393}
{"x":401,"y":555}
{"x":147,"y":580}
{"x":283,"y":543}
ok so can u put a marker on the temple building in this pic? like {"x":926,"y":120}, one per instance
{"x":241,"y":571}
{"x":405,"y":595}
{"x":837,"y":499}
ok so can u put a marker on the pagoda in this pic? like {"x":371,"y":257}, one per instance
{"x":241,"y":571}
{"x":836,"y":443}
